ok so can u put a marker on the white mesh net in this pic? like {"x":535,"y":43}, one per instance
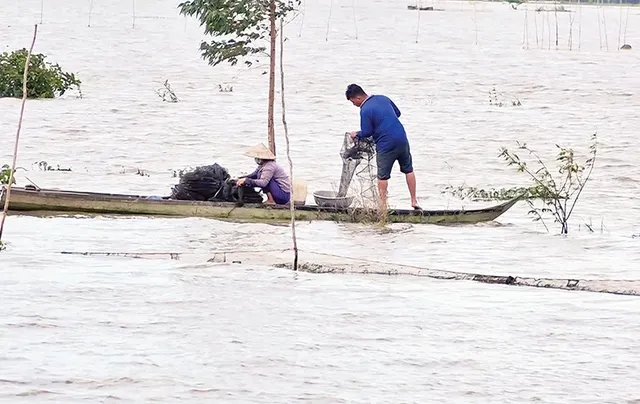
{"x":358,"y":160}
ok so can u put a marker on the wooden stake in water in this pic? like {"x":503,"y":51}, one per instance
{"x":620,"y":24}
{"x":133,"y":24}
{"x":41,"y":10}
{"x":326,"y":38}
{"x":15,"y":147}
{"x":580,"y":25}
{"x":90,"y":10}
{"x":556,"y":15}
{"x":286,"y":137}
{"x":355,"y":21}
{"x":626,"y":24}
{"x":418,"y":25}
{"x":535,"y":25}
{"x":475,"y":20}
{"x":599,"y":27}
{"x":604,"y":27}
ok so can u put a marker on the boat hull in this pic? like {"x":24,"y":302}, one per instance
{"x":56,"y":202}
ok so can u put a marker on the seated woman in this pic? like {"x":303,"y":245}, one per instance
{"x":269,"y":176}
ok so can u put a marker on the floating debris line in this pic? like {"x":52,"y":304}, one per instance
{"x":324,"y":263}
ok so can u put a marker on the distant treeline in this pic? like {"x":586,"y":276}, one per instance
{"x":608,"y":2}
{"x":612,"y":2}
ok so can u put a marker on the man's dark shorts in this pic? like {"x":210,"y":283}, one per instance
{"x":386,"y":159}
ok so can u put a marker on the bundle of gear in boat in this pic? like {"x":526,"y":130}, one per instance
{"x":214,"y":183}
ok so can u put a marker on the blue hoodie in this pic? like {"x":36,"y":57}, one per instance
{"x":379,"y":119}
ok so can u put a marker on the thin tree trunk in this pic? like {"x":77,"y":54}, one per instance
{"x":272,"y":76}
{"x":15,"y":148}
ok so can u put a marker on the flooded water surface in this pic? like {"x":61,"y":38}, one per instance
{"x":118,"y":329}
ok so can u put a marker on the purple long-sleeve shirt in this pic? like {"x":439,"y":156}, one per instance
{"x":267,"y":171}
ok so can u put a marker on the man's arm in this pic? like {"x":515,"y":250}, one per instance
{"x":397,"y":111}
{"x":366,"y":127}
{"x":265,"y":177}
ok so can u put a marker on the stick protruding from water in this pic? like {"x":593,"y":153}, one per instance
{"x":15,"y":148}
{"x":286,"y":137}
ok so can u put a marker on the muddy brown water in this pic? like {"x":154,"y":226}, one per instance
{"x":115,"y":329}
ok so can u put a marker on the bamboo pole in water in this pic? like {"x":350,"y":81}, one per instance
{"x":580,"y":25}
{"x":286,"y":137}
{"x":15,"y":147}
{"x":541,"y":13}
{"x":355,"y":20}
{"x":326,"y":38}
{"x":572,"y":19}
{"x":418,"y":25}
{"x":526,"y":17}
{"x":475,"y":20}
{"x":599,"y":25}
{"x":626,"y":24}
{"x":620,"y":24}
{"x":555,"y":11}
{"x":535,"y":25}
{"x":604,"y":26}
{"x":549,"y":31}
{"x":525,"y":31}
{"x":90,"y":10}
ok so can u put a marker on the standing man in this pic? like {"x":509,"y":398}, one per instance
{"x":379,"y":119}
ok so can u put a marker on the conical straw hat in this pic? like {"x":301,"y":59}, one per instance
{"x":260,"y":151}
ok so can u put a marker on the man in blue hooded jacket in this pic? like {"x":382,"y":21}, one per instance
{"x":379,"y":120}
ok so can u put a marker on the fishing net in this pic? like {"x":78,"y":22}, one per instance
{"x":358,"y":160}
{"x":213,"y":183}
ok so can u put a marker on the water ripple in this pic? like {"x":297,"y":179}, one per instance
{"x":112,"y":329}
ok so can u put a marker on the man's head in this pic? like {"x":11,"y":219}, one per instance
{"x":355,"y":94}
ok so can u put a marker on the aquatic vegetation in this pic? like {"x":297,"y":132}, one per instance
{"x":44,"y":79}
{"x":166,"y":92}
{"x":501,"y":194}
{"x":180,"y":172}
{"x":5,"y":175}
{"x":497,"y":102}
{"x":559,"y":195}
{"x":44,"y":166}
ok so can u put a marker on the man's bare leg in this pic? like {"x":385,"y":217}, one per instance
{"x":411,"y":183}
{"x":382,"y":194}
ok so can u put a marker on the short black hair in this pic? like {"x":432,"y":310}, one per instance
{"x":354,"y":90}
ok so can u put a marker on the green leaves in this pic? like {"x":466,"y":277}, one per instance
{"x":237,"y":26}
{"x":559,"y":200}
{"x":44,"y":80}
{"x":502,"y":194}
{"x":5,"y":175}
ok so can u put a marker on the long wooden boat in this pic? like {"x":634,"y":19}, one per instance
{"x":56,"y":202}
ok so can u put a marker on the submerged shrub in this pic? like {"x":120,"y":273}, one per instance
{"x":44,"y":80}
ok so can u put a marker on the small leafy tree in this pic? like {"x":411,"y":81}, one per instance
{"x":44,"y":80}
{"x":559,"y":195}
{"x":238,"y":27}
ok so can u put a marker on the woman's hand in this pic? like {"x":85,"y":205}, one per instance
{"x":241,"y":181}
